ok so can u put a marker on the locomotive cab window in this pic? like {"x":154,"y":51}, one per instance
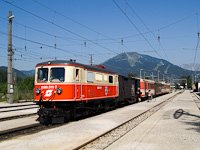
{"x":42,"y":75}
{"x":57,"y":75}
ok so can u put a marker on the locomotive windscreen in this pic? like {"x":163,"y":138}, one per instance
{"x":57,"y":75}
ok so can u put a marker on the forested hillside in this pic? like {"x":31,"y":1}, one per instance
{"x":23,"y":87}
{"x":132,"y":62}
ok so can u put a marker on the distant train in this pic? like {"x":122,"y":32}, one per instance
{"x":66,"y":89}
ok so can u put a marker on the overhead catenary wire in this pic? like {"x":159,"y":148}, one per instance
{"x":50,"y":46}
{"x":196,"y":51}
{"x":197,"y":41}
{"x":161,"y":28}
{"x":63,"y":28}
{"x":136,"y":28}
{"x":61,"y":14}
{"x":63,"y":38}
{"x":146,"y":27}
{"x":55,"y":36}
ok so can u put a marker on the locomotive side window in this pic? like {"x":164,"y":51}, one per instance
{"x":57,"y":75}
{"x":105,"y":78}
{"x":77,"y":74}
{"x":42,"y":75}
{"x":99,"y":77}
{"x":90,"y":77}
{"x":110,"y":79}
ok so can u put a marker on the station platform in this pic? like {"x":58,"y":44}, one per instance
{"x":176,"y":127}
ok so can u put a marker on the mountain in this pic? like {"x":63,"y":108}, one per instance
{"x":28,"y":73}
{"x":15,"y":71}
{"x":191,"y":66}
{"x":132,"y":62}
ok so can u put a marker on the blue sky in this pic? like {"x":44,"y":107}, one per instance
{"x":80,"y":28}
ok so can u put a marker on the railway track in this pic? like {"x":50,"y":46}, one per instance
{"x":8,"y":112}
{"x":2,"y":111}
{"x":16,"y":106}
{"x":113,"y":134}
{"x":104,"y":140}
{"x":17,"y":117}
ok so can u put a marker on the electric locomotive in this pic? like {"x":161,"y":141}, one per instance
{"x":65,"y":89}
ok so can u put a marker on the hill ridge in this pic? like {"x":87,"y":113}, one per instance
{"x":131,"y":62}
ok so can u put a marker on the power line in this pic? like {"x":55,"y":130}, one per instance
{"x":136,"y":27}
{"x":176,"y":22}
{"x":35,"y":42}
{"x":77,"y":22}
{"x":196,"y":51}
{"x":197,"y":41}
{"x":53,"y":35}
{"x":146,"y":26}
{"x":56,"y":25}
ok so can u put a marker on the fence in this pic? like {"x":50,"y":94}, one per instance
{"x":24,"y":94}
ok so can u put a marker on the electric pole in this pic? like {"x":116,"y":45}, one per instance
{"x":91,"y":59}
{"x":152,"y":75}
{"x":9,"y":71}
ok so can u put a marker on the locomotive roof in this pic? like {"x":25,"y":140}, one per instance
{"x":65,"y":62}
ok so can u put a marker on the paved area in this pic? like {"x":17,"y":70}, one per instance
{"x":16,"y":113}
{"x":2,"y":104}
{"x":174,"y":127}
{"x":16,"y":123}
{"x":75,"y":133}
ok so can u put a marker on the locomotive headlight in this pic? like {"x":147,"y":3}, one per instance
{"x":59,"y":90}
{"x":38,"y":90}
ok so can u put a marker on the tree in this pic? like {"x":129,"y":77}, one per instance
{"x":132,"y":75}
{"x":189,"y":81}
{"x":26,"y":83}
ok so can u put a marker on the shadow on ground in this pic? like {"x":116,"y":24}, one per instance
{"x":195,"y":121}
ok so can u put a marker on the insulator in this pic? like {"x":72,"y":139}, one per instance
{"x":85,"y":43}
{"x":158,"y":38}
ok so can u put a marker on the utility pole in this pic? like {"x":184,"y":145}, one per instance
{"x":158,"y":75}
{"x":141,"y":73}
{"x":91,"y":59}
{"x":144,"y":74}
{"x":152,"y":75}
{"x":9,"y":71}
{"x":163,"y":77}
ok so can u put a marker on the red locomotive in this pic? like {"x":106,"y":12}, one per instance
{"x":66,"y":89}
{"x":63,"y":86}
